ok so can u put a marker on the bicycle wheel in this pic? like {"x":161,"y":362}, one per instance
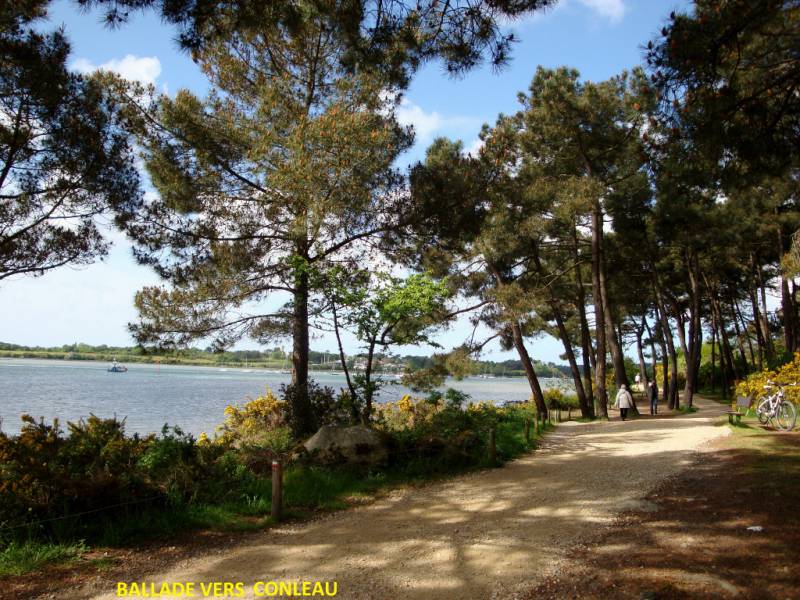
{"x":786,"y":416}
{"x":763,"y":411}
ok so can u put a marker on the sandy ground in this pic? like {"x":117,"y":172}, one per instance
{"x":491,"y":534}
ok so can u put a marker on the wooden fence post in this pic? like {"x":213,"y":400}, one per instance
{"x":277,"y":490}
{"x":527,"y":431}
{"x":493,"y":445}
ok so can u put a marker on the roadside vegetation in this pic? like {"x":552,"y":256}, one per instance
{"x":93,"y":485}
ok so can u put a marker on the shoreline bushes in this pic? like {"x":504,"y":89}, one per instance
{"x":96,"y":484}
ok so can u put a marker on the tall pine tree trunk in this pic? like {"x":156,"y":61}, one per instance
{"x":739,"y":338}
{"x":680,"y":328}
{"x":586,"y":336}
{"x":769,"y":347}
{"x":672,"y":396}
{"x":713,"y":354}
{"x":788,"y":316}
{"x":640,"y":353}
{"x":613,"y":342}
{"x":695,"y":341}
{"x":737,"y":314}
{"x":760,"y":333}
{"x":651,"y":334}
{"x":664,"y":367}
{"x":599,"y":312}
{"x":586,"y":410}
{"x":301,"y":409}
{"x":726,"y":355}
{"x":787,"y":309}
{"x":527,"y":365}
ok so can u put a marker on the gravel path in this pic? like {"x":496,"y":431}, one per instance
{"x":484,"y":535}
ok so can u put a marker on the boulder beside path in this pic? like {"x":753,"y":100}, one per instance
{"x":347,"y":445}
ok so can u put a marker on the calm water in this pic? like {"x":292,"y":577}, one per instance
{"x":148,"y":396}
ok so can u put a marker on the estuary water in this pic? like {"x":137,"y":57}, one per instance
{"x":194,"y":398}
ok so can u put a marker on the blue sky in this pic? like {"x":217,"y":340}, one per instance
{"x":93,"y":304}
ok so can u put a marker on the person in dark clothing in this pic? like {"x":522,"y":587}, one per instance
{"x":652,"y":392}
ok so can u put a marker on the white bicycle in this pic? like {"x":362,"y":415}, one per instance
{"x":777,"y":409}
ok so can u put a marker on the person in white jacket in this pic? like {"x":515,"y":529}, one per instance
{"x":623,"y":402}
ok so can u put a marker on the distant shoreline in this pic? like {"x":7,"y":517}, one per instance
{"x":190,"y":362}
{"x":151,"y":359}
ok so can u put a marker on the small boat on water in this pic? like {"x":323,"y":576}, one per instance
{"x":117,"y":368}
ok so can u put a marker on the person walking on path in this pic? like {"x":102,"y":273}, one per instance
{"x":652,"y":392}
{"x":623,"y":401}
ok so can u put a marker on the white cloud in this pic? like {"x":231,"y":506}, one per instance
{"x":144,"y":69}
{"x":424,"y":123}
{"x":474,"y":148}
{"x":613,"y":10}
{"x":428,"y":124}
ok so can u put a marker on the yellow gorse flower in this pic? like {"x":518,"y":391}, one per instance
{"x":257,"y":415}
{"x":405,"y":404}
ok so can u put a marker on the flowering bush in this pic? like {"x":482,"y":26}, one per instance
{"x":247,"y":424}
{"x":786,"y":375}
{"x":440,"y":431}
{"x":556,"y":399}
{"x":46,"y":474}
{"x":661,"y":379}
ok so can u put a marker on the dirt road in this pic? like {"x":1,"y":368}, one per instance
{"x":484,"y":535}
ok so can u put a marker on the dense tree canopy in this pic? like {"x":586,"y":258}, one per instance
{"x":730,"y":71}
{"x":64,"y":157}
{"x":394,"y":35}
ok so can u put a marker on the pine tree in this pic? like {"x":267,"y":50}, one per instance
{"x":285,"y":168}
{"x":64,"y":158}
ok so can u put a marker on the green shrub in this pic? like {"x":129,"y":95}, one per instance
{"x":95,"y":483}
{"x":326,"y":408}
{"x":48,"y":481}
{"x":556,"y":399}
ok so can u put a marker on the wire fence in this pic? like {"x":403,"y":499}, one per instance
{"x":80,"y":514}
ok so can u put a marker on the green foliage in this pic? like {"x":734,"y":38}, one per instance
{"x":99,"y":485}
{"x":396,"y":39}
{"x":48,"y":481}
{"x":787,"y":375}
{"x":727,"y":68}
{"x":327,"y":408}
{"x":381,"y":311}
{"x":443,"y":432}
{"x":555,"y":398}
{"x":64,"y":156}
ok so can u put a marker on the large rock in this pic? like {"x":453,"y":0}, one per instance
{"x":347,"y":445}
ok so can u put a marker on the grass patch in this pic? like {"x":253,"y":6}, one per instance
{"x":717,"y":396}
{"x":687,"y":409}
{"x":776,"y":457}
{"x":21,"y":558}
